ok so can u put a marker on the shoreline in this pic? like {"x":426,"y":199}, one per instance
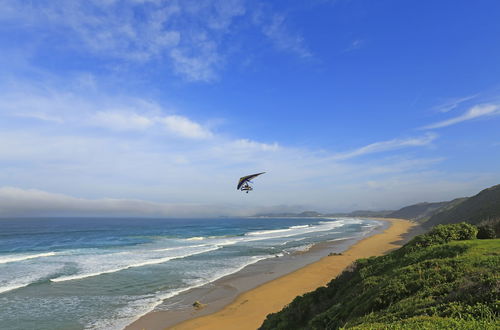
{"x":247,"y":297}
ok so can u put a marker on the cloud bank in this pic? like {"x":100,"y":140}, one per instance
{"x":16,"y":202}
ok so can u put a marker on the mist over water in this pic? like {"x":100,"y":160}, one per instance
{"x":105,"y":273}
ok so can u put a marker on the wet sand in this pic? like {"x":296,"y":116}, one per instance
{"x":250,"y":308}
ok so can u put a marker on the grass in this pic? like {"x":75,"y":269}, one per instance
{"x":443,"y":279}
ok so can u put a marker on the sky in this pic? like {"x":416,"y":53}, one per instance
{"x":157,"y":107}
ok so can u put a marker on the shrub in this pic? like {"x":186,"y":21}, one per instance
{"x":441,"y":234}
{"x":486,"y":232}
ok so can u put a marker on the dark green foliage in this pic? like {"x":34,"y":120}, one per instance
{"x":486,"y":232}
{"x":443,"y":234}
{"x":484,"y":206}
{"x":439,"y":278}
{"x":431,"y":323}
{"x":492,"y":223}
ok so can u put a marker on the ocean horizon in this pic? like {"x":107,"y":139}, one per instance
{"x":104,"y":273}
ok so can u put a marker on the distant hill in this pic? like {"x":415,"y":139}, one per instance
{"x":308,"y":214}
{"x":479,"y":209}
{"x":365,"y":213}
{"x":305,"y":214}
{"x":417,"y":211}
{"x":421,"y":212}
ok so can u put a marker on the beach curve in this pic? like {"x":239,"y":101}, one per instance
{"x":250,"y":308}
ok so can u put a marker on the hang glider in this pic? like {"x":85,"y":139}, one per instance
{"x":244,"y":182}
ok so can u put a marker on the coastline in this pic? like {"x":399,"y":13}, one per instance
{"x":246,"y":298}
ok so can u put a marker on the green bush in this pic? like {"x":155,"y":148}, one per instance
{"x":486,"y":232}
{"x":431,"y":323}
{"x":441,"y":234}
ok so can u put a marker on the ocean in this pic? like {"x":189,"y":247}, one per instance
{"x":104,"y":273}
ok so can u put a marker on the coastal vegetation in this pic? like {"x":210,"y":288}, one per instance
{"x":445,"y":278}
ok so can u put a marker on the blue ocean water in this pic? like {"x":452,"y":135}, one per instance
{"x":102,"y":273}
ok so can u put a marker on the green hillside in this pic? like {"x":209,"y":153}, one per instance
{"x":479,"y":209}
{"x":418,"y":211}
{"x":442,"y":279}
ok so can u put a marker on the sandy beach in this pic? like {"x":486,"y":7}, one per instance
{"x":250,"y":308}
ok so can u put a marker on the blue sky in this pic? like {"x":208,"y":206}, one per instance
{"x":140,"y":107}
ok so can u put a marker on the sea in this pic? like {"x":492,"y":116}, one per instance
{"x":104,"y":273}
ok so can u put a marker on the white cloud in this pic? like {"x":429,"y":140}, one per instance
{"x":388,"y":146}
{"x":478,"y":111}
{"x":78,"y":110}
{"x":129,"y":121}
{"x":196,"y":67}
{"x":121,"y":121}
{"x":253,"y":145}
{"x":185,"y":127}
{"x":37,"y":102}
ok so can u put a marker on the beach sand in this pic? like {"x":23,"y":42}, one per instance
{"x":250,"y":308}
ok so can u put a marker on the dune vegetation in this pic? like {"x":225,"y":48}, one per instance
{"x":445,"y":278}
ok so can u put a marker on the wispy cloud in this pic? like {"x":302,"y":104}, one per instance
{"x":197,"y":67}
{"x":248,"y":144}
{"x":389,"y":145}
{"x":452,"y":104}
{"x":186,"y":34}
{"x":278,"y":32}
{"x":193,"y":38}
{"x":40,"y":116}
{"x":185,"y":127}
{"x":121,"y":121}
{"x":355,"y":44}
{"x":478,"y":111}
{"x":80,"y":110}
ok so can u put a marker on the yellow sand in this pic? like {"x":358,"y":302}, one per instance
{"x":250,"y":308}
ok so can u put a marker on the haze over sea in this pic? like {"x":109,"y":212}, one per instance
{"x":103,"y":273}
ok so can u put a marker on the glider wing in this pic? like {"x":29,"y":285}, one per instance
{"x":247,"y":178}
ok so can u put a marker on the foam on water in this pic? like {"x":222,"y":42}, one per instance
{"x":301,"y":248}
{"x":14,"y":286}
{"x":266,"y":232}
{"x":14,"y":277}
{"x":22,"y":257}
{"x":178,"y":247}
{"x":155,"y":261}
{"x":302,"y":226}
{"x":323,"y":226}
{"x":196,"y":238}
